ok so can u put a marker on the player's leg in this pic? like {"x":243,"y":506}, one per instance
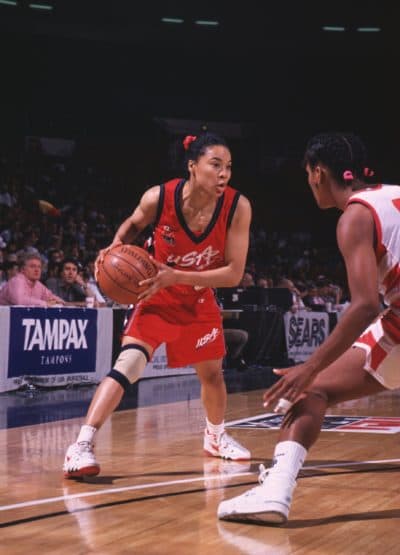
{"x":270,"y":502}
{"x":142,"y":334}
{"x":343,"y":380}
{"x":127,"y":369}
{"x":217,"y":442}
{"x":213,"y":389}
{"x":80,"y":459}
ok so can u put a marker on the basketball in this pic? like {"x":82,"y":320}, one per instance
{"x":121,"y":270}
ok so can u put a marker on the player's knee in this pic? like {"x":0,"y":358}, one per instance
{"x":129,"y":365}
{"x":318,"y":395}
{"x":212,"y":377}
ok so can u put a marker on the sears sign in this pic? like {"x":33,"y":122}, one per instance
{"x":53,"y":341}
{"x":305,"y":331}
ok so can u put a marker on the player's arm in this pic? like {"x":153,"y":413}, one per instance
{"x":143,"y":215}
{"x":237,"y":244}
{"x":355,"y":235}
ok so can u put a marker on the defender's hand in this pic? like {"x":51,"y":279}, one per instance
{"x":291,"y":386}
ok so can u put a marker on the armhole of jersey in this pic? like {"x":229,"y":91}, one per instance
{"x":232,"y":209}
{"x":378,"y":245}
{"x":160,"y":205}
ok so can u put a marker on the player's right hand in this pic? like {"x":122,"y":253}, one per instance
{"x":101,"y":255}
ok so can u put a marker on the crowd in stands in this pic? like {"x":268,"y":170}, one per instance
{"x":53,"y":214}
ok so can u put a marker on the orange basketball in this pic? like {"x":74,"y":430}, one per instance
{"x":121,"y":270}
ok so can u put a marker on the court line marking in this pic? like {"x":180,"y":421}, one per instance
{"x":47,"y":500}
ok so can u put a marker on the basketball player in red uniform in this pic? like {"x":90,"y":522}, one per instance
{"x":201,"y":233}
{"x":362,"y":355}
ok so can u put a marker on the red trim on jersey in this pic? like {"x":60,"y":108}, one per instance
{"x":392,"y":278}
{"x":380,"y":249}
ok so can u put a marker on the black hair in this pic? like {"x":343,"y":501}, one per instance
{"x":71,"y":261}
{"x":340,"y":152}
{"x":198,"y":146}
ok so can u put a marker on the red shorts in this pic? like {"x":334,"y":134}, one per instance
{"x":190,"y":327}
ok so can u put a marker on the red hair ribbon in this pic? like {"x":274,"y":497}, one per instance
{"x":187,"y":141}
{"x":348,"y":175}
{"x":368,"y":172}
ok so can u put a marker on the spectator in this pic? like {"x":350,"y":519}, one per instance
{"x":313,"y":300}
{"x":11,"y":270}
{"x":70,"y":286}
{"x":247,"y":280}
{"x":3,"y":278}
{"x":26,"y":289}
{"x":265,"y":282}
{"x":91,"y":281}
{"x":297,"y":300}
{"x":235,"y":341}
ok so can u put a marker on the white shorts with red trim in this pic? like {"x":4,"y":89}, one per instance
{"x":381,"y":343}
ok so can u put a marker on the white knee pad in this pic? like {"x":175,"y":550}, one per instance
{"x":131,"y":362}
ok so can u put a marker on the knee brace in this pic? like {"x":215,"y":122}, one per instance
{"x":129,"y":365}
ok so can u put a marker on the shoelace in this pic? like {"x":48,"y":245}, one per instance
{"x":263,"y":473}
{"x":85,"y":446}
{"x":228,"y":440}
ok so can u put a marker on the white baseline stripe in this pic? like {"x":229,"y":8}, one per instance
{"x":116,"y":490}
{"x":175,"y":482}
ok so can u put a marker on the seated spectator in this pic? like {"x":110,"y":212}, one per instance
{"x":264,"y":281}
{"x":330,"y":292}
{"x":26,"y":288}
{"x":70,"y":285}
{"x":52,"y":274}
{"x":11,"y":270}
{"x":247,"y":280}
{"x":91,"y":281}
{"x":297,"y":300}
{"x":313,"y":300}
{"x":3,"y":277}
{"x":235,"y":340}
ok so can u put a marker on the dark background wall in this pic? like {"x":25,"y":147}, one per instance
{"x":106,"y":73}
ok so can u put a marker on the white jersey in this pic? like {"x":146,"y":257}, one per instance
{"x":384,"y":203}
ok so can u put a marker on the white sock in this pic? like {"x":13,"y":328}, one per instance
{"x":87,"y":433}
{"x":289,"y":457}
{"x":215,"y":429}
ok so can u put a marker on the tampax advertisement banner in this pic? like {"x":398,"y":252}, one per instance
{"x":55,"y":346}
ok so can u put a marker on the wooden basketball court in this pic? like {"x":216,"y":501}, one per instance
{"x":158,"y":494}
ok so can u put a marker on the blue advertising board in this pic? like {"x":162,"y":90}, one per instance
{"x":52,"y":341}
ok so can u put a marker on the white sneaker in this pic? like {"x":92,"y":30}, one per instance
{"x":80,"y":461}
{"x":224,"y":447}
{"x":268,"y":502}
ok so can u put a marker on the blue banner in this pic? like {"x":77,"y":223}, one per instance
{"x":52,"y":341}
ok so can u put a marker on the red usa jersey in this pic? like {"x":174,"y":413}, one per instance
{"x":384,"y":203}
{"x":175,"y":244}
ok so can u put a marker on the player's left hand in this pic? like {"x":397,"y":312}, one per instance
{"x":165,"y":277}
{"x":291,"y":386}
